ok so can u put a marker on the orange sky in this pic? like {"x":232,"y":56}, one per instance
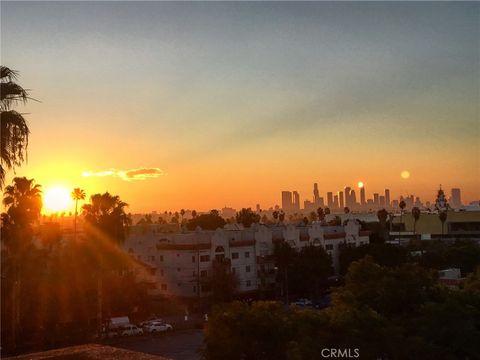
{"x":237,"y":102}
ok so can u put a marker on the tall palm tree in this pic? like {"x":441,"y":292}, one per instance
{"x":107,"y":222}
{"x":13,"y":126}
{"x":77,"y":194}
{"x":402,"y":206}
{"x":442,"y":215}
{"x":416,"y":216}
{"x":23,"y":203}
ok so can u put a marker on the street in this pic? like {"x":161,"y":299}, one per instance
{"x":178,"y":345}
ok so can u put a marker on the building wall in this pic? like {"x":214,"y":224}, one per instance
{"x":174,"y":257}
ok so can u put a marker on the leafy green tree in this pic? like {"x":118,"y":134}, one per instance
{"x":247,"y":217}
{"x":210,"y":221}
{"x":237,"y":331}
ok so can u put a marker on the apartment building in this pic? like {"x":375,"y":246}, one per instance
{"x":182,"y":261}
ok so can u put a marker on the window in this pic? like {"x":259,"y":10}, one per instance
{"x":178,"y":269}
{"x":161,"y":257}
{"x":247,"y":268}
{"x":234,"y":256}
{"x":247,"y":254}
{"x":205,"y":288}
{"x":164,"y":286}
{"x":249,"y":283}
{"x":203,"y":273}
{"x":130,"y":250}
{"x":193,"y":258}
{"x":193,"y":274}
{"x":194,"y":289}
{"x":329,"y":247}
{"x":233,"y":270}
{"x":179,"y":284}
{"x":178,"y":255}
{"x":204,"y":258}
{"x":152,"y":258}
{"x":161,"y":272}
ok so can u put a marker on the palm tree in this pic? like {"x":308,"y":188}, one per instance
{"x":106,"y":213}
{"x":13,"y":126}
{"x":107,"y":222}
{"x":402,"y":206}
{"x":77,"y":194}
{"x":416,"y":216}
{"x":23,"y":203}
{"x":443,"y":217}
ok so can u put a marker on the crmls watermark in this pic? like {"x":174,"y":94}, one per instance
{"x":346,"y":353}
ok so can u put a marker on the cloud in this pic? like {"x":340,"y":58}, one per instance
{"x":128,"y":175}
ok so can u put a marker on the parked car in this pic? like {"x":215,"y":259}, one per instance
{"x":158,"y":326}
{"x":131,"y":330}
{"x":303,"y":303}
{"x":148,"y":322}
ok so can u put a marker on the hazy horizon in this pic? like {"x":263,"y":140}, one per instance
{"x":201,"y":105}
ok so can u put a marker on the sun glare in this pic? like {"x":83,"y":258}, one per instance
{"x":57,"y":199}
{"x":360,"y":184}
{"x":405,"y":174}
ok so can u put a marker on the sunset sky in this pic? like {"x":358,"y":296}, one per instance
{"x":230,"y":103}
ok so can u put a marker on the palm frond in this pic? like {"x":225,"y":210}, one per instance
{"x":7,"y":73}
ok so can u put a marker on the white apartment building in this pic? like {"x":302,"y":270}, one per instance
{"x":180,"y":261}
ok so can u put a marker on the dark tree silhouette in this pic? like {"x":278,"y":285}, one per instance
{"x":247,"y":217}
{"x":416,"y":216}
{"x":13,"y":126}
{"x":210,"y":221}
{"x":77,"y":195}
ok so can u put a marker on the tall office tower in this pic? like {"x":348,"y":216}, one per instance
{"x":321,"y":202}
{"x":362,"y":195}
{"x":296,"y":201}
{"x":456,"y":199}
{"x":353,"y":199}
{"x":381,"y":201}
{"x":335,"y":201}
{"x":387,"y":197}
{"x":316,"y":194}
{"x":347,"y":196}
{"x":341,"y":200}
{"x":330,"y":199}
{"x":286,"y":200}
{"x":375,"y":199}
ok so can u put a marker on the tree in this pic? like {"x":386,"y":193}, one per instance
{"x":23,"y":203}
{"x":247,"y":217}
{"x":210,"y":221}
{"x":382,"y":218}
{"x":77,"y":194}
{"x":313,"y":216}
{"x":442,"y":215}
{"x":327,"y":211}
{"x":416,"y":216}
{"x":284,"y":256}
{"x":222,"y":281}
{"x":275,"y":215}
{"x":106,"y":223}
{"x":194,"y":214}
{"x":281,"y":216}
{"x":321,"y":214}
{"x":13,"y":126}
{"x":346,"y":210}
{"x":310,"y":269}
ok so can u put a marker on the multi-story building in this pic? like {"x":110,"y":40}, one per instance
{"x":456,"y":198}
{"x":387,"y":198}
{"x":182,"y":261}
{"x":287,"y":202}
{"x":296,"y":201}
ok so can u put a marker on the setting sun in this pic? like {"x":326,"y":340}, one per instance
{"x":57,"y":199}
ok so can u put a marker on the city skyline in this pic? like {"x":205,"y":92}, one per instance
{"x":213,"y":104}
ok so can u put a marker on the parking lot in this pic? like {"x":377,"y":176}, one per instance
{"x":176,"y":345}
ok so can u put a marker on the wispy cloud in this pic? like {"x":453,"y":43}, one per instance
{"x":128,"y":175}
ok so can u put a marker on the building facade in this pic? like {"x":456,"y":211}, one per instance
{"x":182,"y":261}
